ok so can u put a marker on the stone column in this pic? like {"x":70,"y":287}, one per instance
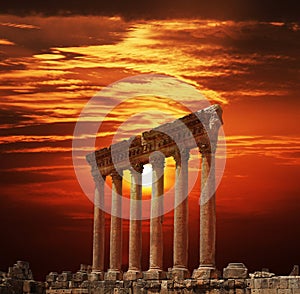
{"x":180,"y":246}
{"x":135,"y":230}
{"x":156,"y":234}
{"x":115,"y":260}
{"x":207,"y":267}
{"x":99,"y":227}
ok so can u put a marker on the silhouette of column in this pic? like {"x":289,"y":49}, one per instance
{"x":115,"y":260}
{"x":207,"y":216}
{"x":99,"y":226}
{"x":135,"y":230}
{"x":156,"y":234}
{"x":180,"y":245}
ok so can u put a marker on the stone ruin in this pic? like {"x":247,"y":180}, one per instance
{"x":94,"y":279}
{"x":19,"y":279}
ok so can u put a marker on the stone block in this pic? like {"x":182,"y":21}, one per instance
{"x":64,"y":276}
{"x":268,"y":291}
{"x":112,"y":275}
{"x":204,"y":272}
{"x":296,"y":291}
{"x":257,"y":283}
{"x":80,"y":277}
{"x":264,"y":283}
{"x":190,"y":284}
{"x":132,"y":275}
{"x":283,"y":283}
{"x":294,"y":283}
{"x":235,"y":271}
{"x":178,"y":274}
{"x":23,"y":264}
{"x":239,"y":291}
{"x":29,"y":286}
{"x":51,"y":277}
{"x":154,"y":274}
{"x":250,"y":283}
{"x":273,"y":283}
{"x":229,"y":284}
{"x":284,"y":291}
{"x":96,"y":276}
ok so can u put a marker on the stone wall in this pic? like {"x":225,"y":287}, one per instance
{"x":234,"y":280}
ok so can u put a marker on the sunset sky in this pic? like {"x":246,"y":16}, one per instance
{"x":56,"y":56}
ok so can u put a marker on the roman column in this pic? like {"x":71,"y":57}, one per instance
{"x":207,"y":267}
{"x":155,"y":271}
{"x":135,"y":229}
{"x":99,"y":226}
{"x":180,"y":245}
{"x":115,"y":258}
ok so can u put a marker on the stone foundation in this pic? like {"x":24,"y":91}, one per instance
{"x":235,"y":280}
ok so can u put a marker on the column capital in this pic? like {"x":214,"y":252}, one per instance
{"x":181,"y":156}
{"x":116,"y":175}
{"x":157,"y":160}
{"x":98,"y":177}
{"x":136,"y":166}
{"x":207,"y":148}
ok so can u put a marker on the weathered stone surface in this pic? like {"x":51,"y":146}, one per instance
{"x":132,"y":275}
{"x":262,"y":274}
{"x":178,"y":274}
{"x":205,"y":273}
{"x":154,"y":275}
{"x":295,"y":271}
{"x":112,"y":275}
{"x":51,"y":277}
{"x":235,"y":271}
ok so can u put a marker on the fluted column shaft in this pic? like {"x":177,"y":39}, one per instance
{"x":135,"y":232}
{"x":180,"y":250}
{"x":99,"y":225}
{"x":116,"y":224}
{"x":156,"y":233}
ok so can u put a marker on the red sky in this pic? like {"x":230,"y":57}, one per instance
{"x":51,"y":66}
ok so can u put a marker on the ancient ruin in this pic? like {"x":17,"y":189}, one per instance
{"x":196,"y":130}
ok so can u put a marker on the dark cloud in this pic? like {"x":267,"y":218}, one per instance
{"x":28,"y":177}
{"x":45,"y":33}
{"x":232,"y":9}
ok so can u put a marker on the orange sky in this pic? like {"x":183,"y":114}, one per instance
{"x":49,"y":70}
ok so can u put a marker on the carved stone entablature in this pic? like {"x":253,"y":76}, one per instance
{"x":116,"y":175}
{"x":199,"y":129}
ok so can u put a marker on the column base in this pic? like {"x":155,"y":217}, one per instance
{"x":154,"y":274}
{"x":96,"y":276}
{"x":205,"y":272}
{"x":113,"y":275}
{"x":179,"y":273}
{"x":132,"y":275}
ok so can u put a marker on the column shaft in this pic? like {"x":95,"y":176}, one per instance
{"x":99,"y":227}
{"x":207,"y":267}
{"x":208,"y":211}
{"x":135,"y":229}
{"x":156,"y":233}
{"x":135,"y":237}
{"x":180,"y":251}
{"x":116,"y":226}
